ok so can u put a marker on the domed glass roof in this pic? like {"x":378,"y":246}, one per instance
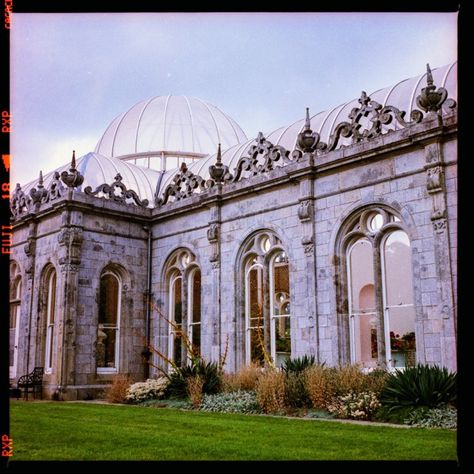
{"x":402,"y":95}
{"x":148,"y":183}
{"x":98,"y":169}
{"x":175,"y":125}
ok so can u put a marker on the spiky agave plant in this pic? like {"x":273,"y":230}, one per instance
{"x":419,"y":386}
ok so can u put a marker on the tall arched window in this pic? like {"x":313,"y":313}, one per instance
{"x":15,"y":305}
{"x":50,"y":320}
{"x":184,"y":306}
{"x":108,"y":330}
{"x":267,"y":299}
{"x":380,"y":290}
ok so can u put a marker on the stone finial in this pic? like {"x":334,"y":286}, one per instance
{"x":307,"y":139}
{"x":430,"y":99}
{"x":218,"y":171}
{"x":39,"y":193}
{"x":73,"y":179}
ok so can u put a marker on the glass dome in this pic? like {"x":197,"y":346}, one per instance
{"x":402,"y":95}
{"x":98,"y":169}
{"x":169,"y":128}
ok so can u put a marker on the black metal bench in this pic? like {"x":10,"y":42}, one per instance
{"x":32,"y":382}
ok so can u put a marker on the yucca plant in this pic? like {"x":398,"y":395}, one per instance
{"x":419,"y":386}
{"x":209,"y":372}
{"x":298,"y":364}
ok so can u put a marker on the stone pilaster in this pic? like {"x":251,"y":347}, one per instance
{"x":306,"y":217}
{"x":70,"y":240}
{"x":445,"y":311}
{"x":214,"y":295}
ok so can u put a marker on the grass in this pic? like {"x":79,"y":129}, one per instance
{"x":80,"y":431}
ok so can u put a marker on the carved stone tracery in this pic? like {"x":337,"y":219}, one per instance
{"x":117,"y":192}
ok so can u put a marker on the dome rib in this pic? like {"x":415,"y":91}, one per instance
{"x":164,"y":120}
{"x":213,"y":118}
{"x":140,"y":120}
{"x":192,"y":121}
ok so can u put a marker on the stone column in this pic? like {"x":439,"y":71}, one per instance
{"x":445,"y":309}
{"x":70,"y":240}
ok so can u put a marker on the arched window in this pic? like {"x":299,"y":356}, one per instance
{"x":184,"y":306}
{"x":50,"y":320}
{"x":380,"y":290}
{"x":15,"y":305}
{"x":267,"y":299}
{"x":108,"y":329}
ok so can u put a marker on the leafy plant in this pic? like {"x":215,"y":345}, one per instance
{"x":233,"y":402}
{"x":444,"y":417}
{"x":194,"y":386}
{"x":295,"y":390}
{"x":422,"y":385}
{"x":209,"y":372}
{"x":298,"y":364}
{"x":359,"y":406}
{"x":152,"y":389}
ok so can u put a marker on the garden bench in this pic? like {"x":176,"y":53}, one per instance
{"x":32,"y":382}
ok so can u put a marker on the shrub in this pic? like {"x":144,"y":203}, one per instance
{"x":244,"y":379}
{"x":347,"y":379}
{"x":117,"y":392}
{"x":233,"y":402}
{"x":152,"y":389}
{"x":320,"y":386}
{"x":271,"y":391}
{"x":295,"y":390}
{"x":444,"y":417}
{"x":422,"y":385}
{"x":359,"y":406}
{"x":375,"y":381}
{"x":299,"y":364}
{"x":209,"y":372}
{"x":194,"y":386}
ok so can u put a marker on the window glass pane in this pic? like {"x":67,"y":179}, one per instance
{"x":398,"y":269}
{"x":196,"y":316}
{"x":177,"y":311}
{"x":255,"y":315}
{"x":256,"y":345}
{"x":177,"y":347}
{"x":399,"y":298}
{"x":196,"y":336}
{"x":108,"y":308}
{"x":362,"y":309}
{"x":109,"y":342}
{"x":52,"y":308}
{"x":375,"y":222}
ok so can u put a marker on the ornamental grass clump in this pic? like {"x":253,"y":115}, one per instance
{"x":320,"y":386}
{"x":244,"y":379}
{"x":271,"y":392}
{"x":117,"y":392}
{"x":194,"y":387}
{"x":151,"y":389}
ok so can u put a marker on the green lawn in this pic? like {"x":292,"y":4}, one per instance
{"x":80,"y":431}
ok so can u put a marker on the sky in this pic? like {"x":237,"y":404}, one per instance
{"x":72,"y":74}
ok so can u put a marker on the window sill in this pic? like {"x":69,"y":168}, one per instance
{"x":106,"y":370}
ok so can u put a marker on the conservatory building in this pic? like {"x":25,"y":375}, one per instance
{"x":334,"y":236}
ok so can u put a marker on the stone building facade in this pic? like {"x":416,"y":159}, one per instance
{"x":342,"y":247}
